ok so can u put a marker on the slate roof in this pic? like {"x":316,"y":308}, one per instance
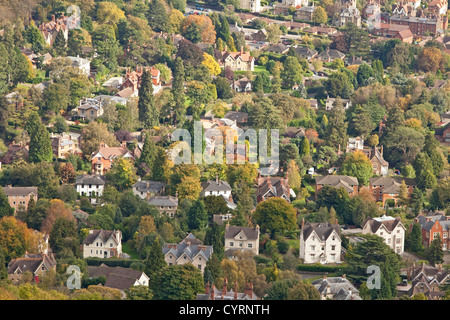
{"x":116,"y":277}
{"x":90,"y":179}
{"x":163,"y":201}
{"x":276,"y":186}
{"x":338,"y":181}
{"x":19,"y":191}
{"x":31,"y":262}
{"x":331,"y":54}
{"x":149,"y":186}
{"x":390,"y":223}
{"x":322,"y":229}
{"x":233,"y":231}
{"x":189,"y":246}
{"x":339,"y":287}
{"x":305,"y":52}
{"x":239,"y":117}
{"x":105,"y":235}
{"x":216,"y":185}
{"x":427,"y":222}
{"x":391,"y":185}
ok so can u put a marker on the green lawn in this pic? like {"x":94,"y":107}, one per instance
{"x":129,"y":250}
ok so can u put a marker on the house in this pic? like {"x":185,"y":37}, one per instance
{"x":50,"y":29}
{"x":19,"y":197}
{"x":384,"y":188}
{"x":350,"y":14}
{"x":237,"y":116}
{"x":165,"y":204}
{"x":268,"y":187}
{"x":90,"y":186}
{"x":438,"y":7}
{"x":88,"y":109}
{"x":350,"y":184}
{"x":63,"y":144}
{"x":321,"y":31}
{"x":390,"y":229}
{"x":103,"y":159}
{"x":432,"y":225}
{"x":404,"y":8}
{"x":38,"y":264}
{"x":336,"y":288}
{"x":279,"y":48}
{"x":354,"y":61}
{"x":428,"y":280}
{"x":422,"y":26}
{"x":189,"y":250}
{"x":305,"y":52}
{"x":241,"y":239}
{"x":145,"y":189}
{"x":132,"y":82}
{"x":329,"y":104}
{"x":217,"y":188}
{"x":84,"y":65}
{"x":320,"y":243}
{"x":250,"y":5}
{"x":442,"y":134}
{"x":260,"y":35}
{"x":281,"y":9}
{"x":296,"y":26}
{"x":15,"y":152}
{"x":113,"y":83}
{"x":212,"y":293}
{"x":393,"y":31}
{"x":305,"y":13}
{"x":242,"y":85}
{"x":237,"y":61}
{"x":102,"y":244}
{"x":354,"y":144}
{"x":330,"y":55}
{"x":118,"y":277}
{"x":294,"y":132}
{"x":379,"y":165}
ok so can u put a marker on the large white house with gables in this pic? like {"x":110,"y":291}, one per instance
{"x":103,"y":244}
{"x":320,"y":242}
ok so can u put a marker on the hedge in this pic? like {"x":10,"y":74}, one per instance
{"x":111,"y":262}
{"x":319,"y":268}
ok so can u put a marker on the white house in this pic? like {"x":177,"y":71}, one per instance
{"x":91,"y":186}
{"x":84,"y":65}
{"x":320,"y":242}
{"x":390,"y":229}
{"x":219,"y":188}
{"x":103,"y":244}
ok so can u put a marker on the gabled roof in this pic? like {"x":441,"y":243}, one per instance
{"x":339,"y":287}
{"x":31,"y":262}
{"x":90,"y":179}
{"x":391,"y":185}
{"x":190,"y":247}
{"x":150,"y":186}
{"x":323,"y":230}
{"x":216,"y":185}
{"x":250,"y":233}
{"x":338,"y":181}
{"x":273,"y":187}
{"x":104,"y":235}
{"x":20,"y":191}
{"x":163,"y":201}
{"x":386,"y":222}
{"x":116,"y":277}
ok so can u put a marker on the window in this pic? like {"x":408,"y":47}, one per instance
{"x":333,"y":248}
{"x":313,"y":248}
{"x":250,"y":245}
{"x":435,"y":235}
{"x":199,"y":267}
{"x":231,"y":244}
{"x":445,"y":235}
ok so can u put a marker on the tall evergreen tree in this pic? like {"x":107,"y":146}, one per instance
{"x":5,"y":208}
{"x":434,"y":253}
{"x":148,"y":114}
{"x":155,"y":260}
{"x":337,"y":127}
{"x":40,"y":144}
{"x":178,"y":91}
{"x":157,"y":16}
{"x":59,"y":45}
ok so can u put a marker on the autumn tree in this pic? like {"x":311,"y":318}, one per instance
{"x":430,"y":60}
{"x":56,"y":210}
{"x":205,"y":27}
{"x":95,"y":133}
{"x":16,"y":238}
{"x":67,"y":172}
{"x":275,"y":215}
{"x":211,"y":64}
{"x":122,"y":174}
{"x":109,"y":12}
{"x":320,"y":16}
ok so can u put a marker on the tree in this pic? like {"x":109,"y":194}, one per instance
{"x":34,"y":36}
{"x":5,"y":208}
{"x":157,"y":16}
{"x":204,"y":25}
{"x":413,"y":239}
{"x":197,"y":217}
{"x":148,"y":114}
{"x":63,"y":237}
{"x":357,"y":164}
{"x":16,"y":238}
{"x":430,"y":60}
{"x":275,"y":215}
{"x":423,"y":167}
{"x":189,"y":188}
{"x":403,"y":145}
{"x":292,"y":72}
{"x":273,"y":33}
{"x":59,"y":45}
{"x":67,"y":172}
{"x":122,"y":174}
{"x":434,"y":252}
{"x":155,"y":260}
{"x":40,"y":144}
{"x":337,"y":127}
{"x":211,"y":64}
{"x":365,"y":72}
{"x":109,"y":12}
{"x":319,"y":15}
{"x":178,"y":90}
{"x":303,"y":291}
{"x":304,"y":147}
{"x":373,"y":251}
{"x":55,"y":97}
{"x":361,"y":124}
{"x":57,"y":209}
{"x":178,"y":282}
{"x":93,"y":134}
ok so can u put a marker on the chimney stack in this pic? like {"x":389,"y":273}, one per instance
{"x":224,"y":289}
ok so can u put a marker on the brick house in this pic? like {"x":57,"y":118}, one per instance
{"x":432,"y":25}
{"x":268,"y":187}
{"x":237,"y":61}
{"x":384,"y":188}
{"x":103,"y":159}
{"x":428,"y":280}
{"x":213,"y":293}
{"x":432,"y":225}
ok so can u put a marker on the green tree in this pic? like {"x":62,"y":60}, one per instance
{"x":413,"y":239}
{"x":59,"y":45}
{"x":319,"y":15}
{"x":148,"y":114}
{"x":275,"y":215}
{"x":5,"y":208}
{"x":303,"y":291}
{"x":304,"y":147}
{"x":292,"y":72}
{"x":357,"y":164}
{"x":423,"y":167}
{"x":178,"y":282}
{"x":155,"y":260}
{"x":178,"y":90}
{"x":365,"y":72}
{"x":434,"y":252}
{"x":64,"y":237}
{"x":337,"y":126}
{"x":197,"y":217}
{"x":361,"y":124}
{"x":157,"y":16}
{"x":122,"y":174}
{"x":40,"y":144}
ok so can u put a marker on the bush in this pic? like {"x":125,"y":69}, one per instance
{"x":319,"y":268}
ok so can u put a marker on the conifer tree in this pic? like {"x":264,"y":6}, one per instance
{"x":5,"y":208}
{"x":40,"y":144}
{"x":59,"y":45}
{"x":148,"y":114}
{"x":178,"y":91}
{"x":155,"y":259}
{"x":157,"y":16}
{"x":337,"y":127}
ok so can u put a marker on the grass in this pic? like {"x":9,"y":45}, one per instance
{"x":129,"y":250}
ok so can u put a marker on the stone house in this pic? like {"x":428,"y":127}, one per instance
{"x":428,"y":280}
{"x":213,"y":293}
{"x":268,"y":187}
{"x":237,"y":61}
{"x":145,"y":189}
{"x":165,"y":204}
{"x":241,"y":239}
{"x":189,"y":250}
{"x":19,"y":197}
{"x":38,"y":264}
{"x":90,"y":186}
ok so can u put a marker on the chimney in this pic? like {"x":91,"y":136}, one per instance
{"x":249,"y":290}
{"x":235,"y":290}
{"x":242,"y":50}
{"x":224,"y":289}
{"x":124,"y":144}
{"x":53,"y":17}
{"x":213,"y":289}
